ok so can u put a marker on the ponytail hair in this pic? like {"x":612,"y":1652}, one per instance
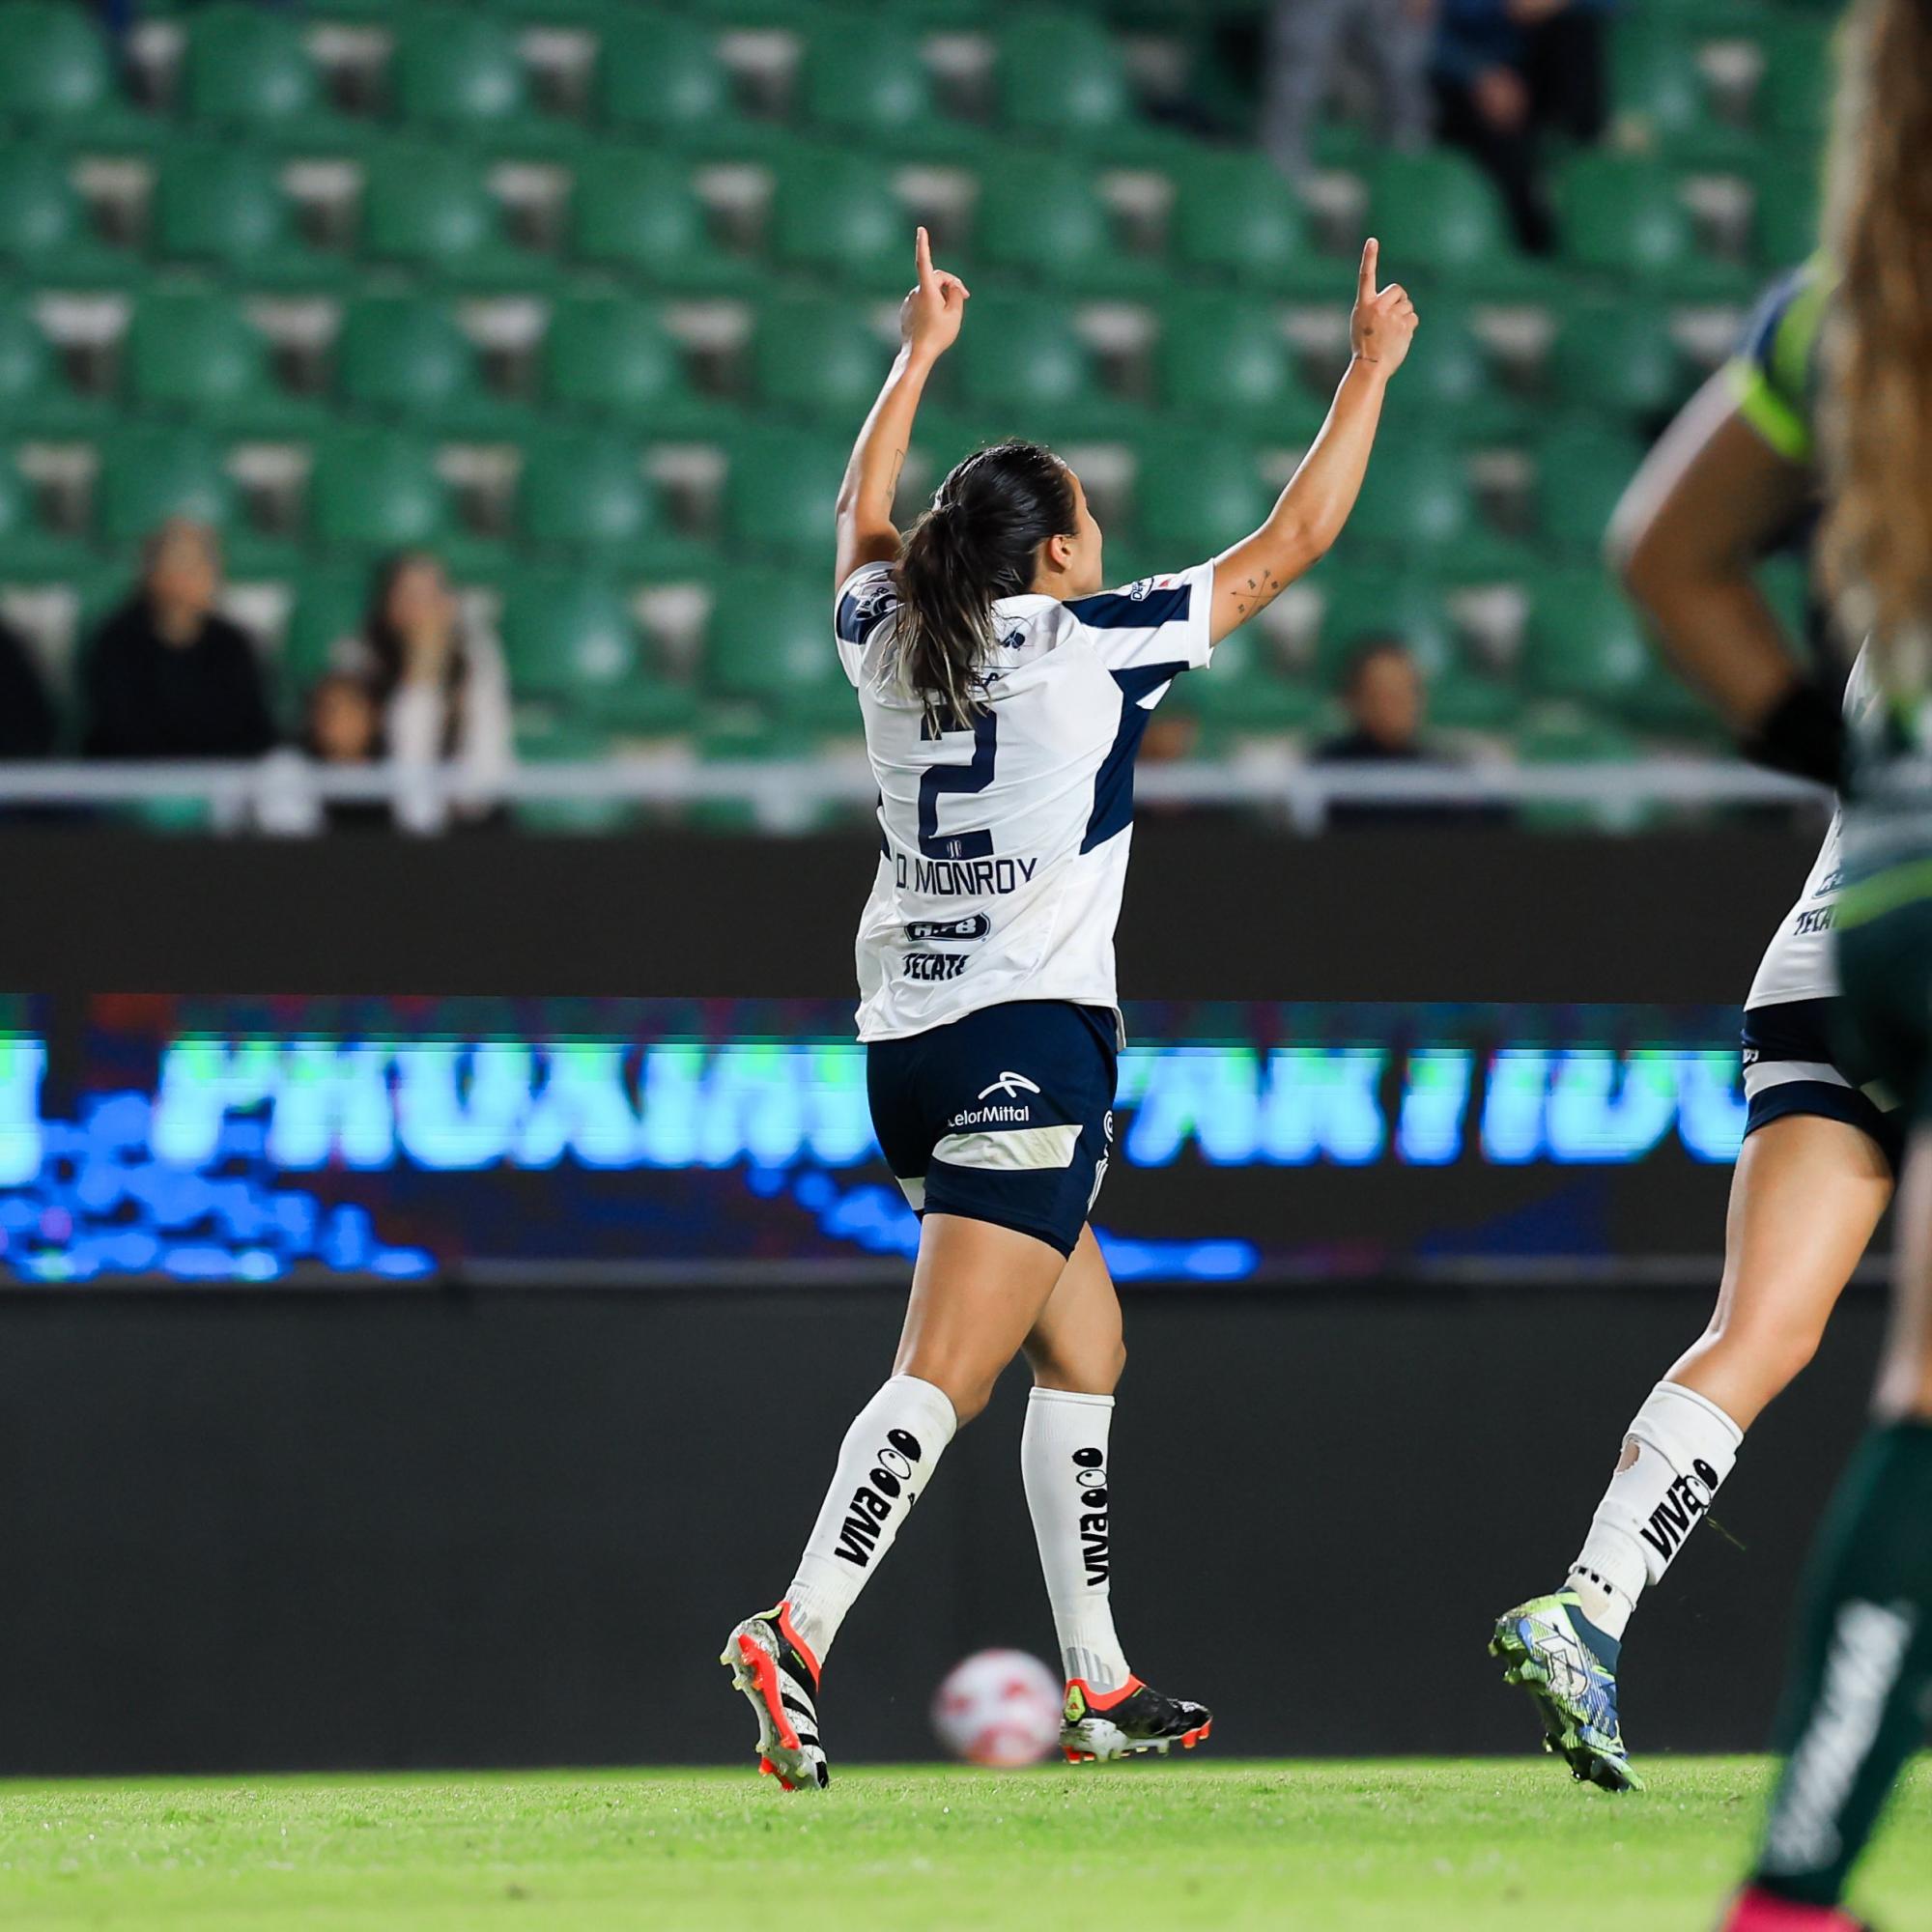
{"x":1877,"y":534}
{"x":978,"y":542}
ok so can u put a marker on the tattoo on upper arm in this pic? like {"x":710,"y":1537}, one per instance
{"x":1254,"y":592}
{"x":892,"y":481}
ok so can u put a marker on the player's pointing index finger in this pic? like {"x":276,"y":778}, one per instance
{"x":923,"y":250}
{"x":1365,"y":279}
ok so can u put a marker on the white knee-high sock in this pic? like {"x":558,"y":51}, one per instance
{"x":1063,"y":1460}
{"x":1680,"y":1448}
{"x":883,"y":1464}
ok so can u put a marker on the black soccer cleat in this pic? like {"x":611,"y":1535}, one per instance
{"x":1095,"y":1725}
{"x":770,"y":1664}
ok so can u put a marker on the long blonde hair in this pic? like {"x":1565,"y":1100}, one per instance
{"x":1877,"y":414}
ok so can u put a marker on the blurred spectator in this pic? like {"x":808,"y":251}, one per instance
{"x":1507,"y":72}
{"x":1306,"y":40}
{"x":165,"y":675}
{"x":1383,"y":693}
{"x":27,"y":721}
{"x":345,"y":727}
{"x":442,"y":696}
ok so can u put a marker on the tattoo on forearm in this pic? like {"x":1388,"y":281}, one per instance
{"x":892,"y":481}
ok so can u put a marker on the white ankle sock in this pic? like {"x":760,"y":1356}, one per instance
{"x":883,"y":1464}
{"x":1680,"y":1448}
{"x":1063,"y":1461}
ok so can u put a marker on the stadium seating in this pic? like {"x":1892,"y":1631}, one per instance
{"x":616,"y":331}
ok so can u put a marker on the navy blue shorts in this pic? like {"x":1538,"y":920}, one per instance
{"x":1791,"y":1066}
{"x":1004,"y":1114}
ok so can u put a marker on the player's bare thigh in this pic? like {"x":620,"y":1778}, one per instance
{"x":1905,"y":1378}
{"x":1808,"y":1194}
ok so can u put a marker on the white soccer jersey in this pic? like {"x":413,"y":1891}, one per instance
{"x":1003,"y":841}
{"x":1799,"y":964}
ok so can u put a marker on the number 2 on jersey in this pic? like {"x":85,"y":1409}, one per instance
{"x":968,"y":778}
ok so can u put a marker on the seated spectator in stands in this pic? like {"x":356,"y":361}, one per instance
{"x":443,"y":695}
{"x":1383,"y":693}
{"x":1307,"y":39}
{"x":345,"y":727}
{"x":27,"y":722}
{"x":165,"y":675}
{"x":1507,"y":72}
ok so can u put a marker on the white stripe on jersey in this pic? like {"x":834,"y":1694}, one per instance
{"x":1003,"y":842}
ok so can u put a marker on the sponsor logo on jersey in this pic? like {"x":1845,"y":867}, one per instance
{"x":873,"y":1501}
{"x":1090,"y":1480}
{"x":1139,"y":588}
{"x":991,"y":1117}
{"x":1830,"y":882}
{"x":934,"y":965}
{"x":975,"y":926}
{"x":1011,"y":1085}
{"x":1820,"y":919}
{"x":1684,"y":1502}
{"x":962,"y":878}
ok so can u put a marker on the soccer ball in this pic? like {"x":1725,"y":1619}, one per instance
{"x":999,"y":1707}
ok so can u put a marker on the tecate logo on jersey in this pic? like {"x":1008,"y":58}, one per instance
{"x":934,"y":965}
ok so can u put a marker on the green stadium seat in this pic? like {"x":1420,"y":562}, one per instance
{"x":840,"y":218}
{"x":1581,"y":470}
{"x":57,"y":79}
{"x":1233,"y":215}
{"x":660,"y":77}
{"x":1359,"y":605}
{"x":818,"y":359}
{"x":374,"y":490}
{"x":1022,"y":363}
{"x":190,"y":354}
{"x":607,"y":357}
{"x":1194,"y":495}
{"x":1794,"y":90}
{"x":1415,"y":496}
{"x":456,"y":76}
{"x":1618,"y":359}
{"x":1585,"y":643}
{"x":572,"y":636}
{"x":585,"y":491}
{"x":1437,"y":216}
{"x":249,"y":75}
{"x":1662,"y":97}
{"x":860,"y":77}
{"x":1787,"y":213}
{"x":1061,"y":77}
{"x":780,"y":491}
{"x":1447,"y":377}
{"x":45,"y":232}
{"x":1625,"y":220}
{"x":638,"y":213}
{"x":1228,"y":358}
{"x":34,"y":398}
{"x":223,"y":208}
{"x":770,"y":641}
{"x":26,"y":549}
{"x":404,"y":357}
{"x":149,"y":474}
{"x":431,"y":209}
{"x":1461,"y":698}
{"x":1045,"y":220}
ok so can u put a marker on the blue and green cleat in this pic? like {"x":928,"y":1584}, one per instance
{"x":1569,"y":1667}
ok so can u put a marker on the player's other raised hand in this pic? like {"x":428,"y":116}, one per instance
{"x":931,"y":315}
{"x":1383,"y":323}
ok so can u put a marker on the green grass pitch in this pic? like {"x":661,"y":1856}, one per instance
{"x":1496,"y":1845}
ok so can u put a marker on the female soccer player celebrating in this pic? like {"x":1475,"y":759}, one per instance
{"x":1734,"y":475}
{"x":1004,"y":696}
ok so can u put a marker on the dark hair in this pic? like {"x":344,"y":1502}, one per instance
{"x":386,"y":648}
{"x":1366,"y":649}
{"x":974,"y":545}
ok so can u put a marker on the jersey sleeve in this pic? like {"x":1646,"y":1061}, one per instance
{"x":1160,"y":621}
{"x":867,"y":599}
{"x":1770,"y":375}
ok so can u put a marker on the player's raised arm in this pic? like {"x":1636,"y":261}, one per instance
{"x":1309,"y":514}
{"x":929,"y":321}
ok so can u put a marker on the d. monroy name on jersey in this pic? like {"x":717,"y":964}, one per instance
{"x":962,"y":878}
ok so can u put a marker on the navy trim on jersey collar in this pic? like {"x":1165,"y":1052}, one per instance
{"x":1114,"y":783}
